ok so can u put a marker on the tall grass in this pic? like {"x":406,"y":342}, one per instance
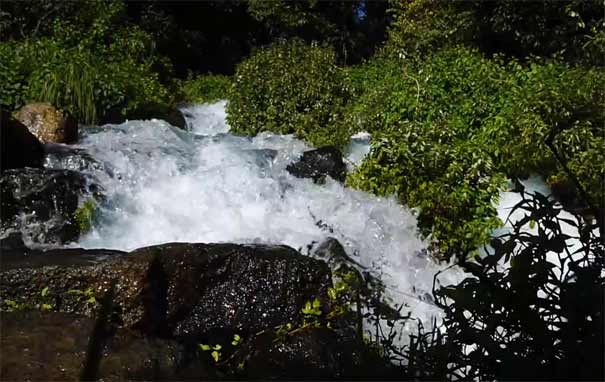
{"x":69,"y":84}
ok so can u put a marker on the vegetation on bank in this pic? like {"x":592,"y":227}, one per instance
{"x":451,"y":117}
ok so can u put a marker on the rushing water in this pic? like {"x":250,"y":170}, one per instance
{"x":164,"y":184}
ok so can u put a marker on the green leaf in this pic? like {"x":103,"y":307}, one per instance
{"x":204,"y":347}
{"x":236,"y":340}
{"x":44,"y":292}
{"x":215,"y":355}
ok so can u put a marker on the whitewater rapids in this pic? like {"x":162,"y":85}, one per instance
{"x":164,"y":185}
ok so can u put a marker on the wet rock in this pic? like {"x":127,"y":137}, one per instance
{"x":182,"y":290}
{"x":41,"y":203}
{"x":170,"y":114}
{"x":22,"y":257}
{"x":314,"y":353}
{"x":70,"y":158}
{"x":319,"y":163}
{"x":13,"y":241}
{"x":38,"y":347}
{"x":44,"y":346}
{"x":47,"y":123}
{"x":332,"y":252}
{"x":165,"y":301}
{"x":19,"y":148}
{"x":174,"y":117}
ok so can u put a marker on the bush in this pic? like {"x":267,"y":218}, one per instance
{"x":569,"y":29}
{"x":204,"y":88}
{"x":289,"y":88}
{"x":449,"y":129}
{"x":424,"y":119}
{"x":107,"y":72}
{"x":530,"y":310}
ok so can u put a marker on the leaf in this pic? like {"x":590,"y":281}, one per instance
{"x":217,"y":347}
{"x":46,"y":307}
{"x":44,"y":292}
{"x":204,"y":347}
{"x":215,"y":355}
{"x":236,"y":340}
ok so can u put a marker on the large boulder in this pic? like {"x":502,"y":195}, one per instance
{"x":319,"y":163}
{"x":19,"y":148}
{"x":47,"y":123}
{"x":36,"y":346}
{"x":155,"y":309}
{"x":181,"y":290}
{"x":42,"y":203}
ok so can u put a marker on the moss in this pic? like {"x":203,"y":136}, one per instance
{"x":84,"y":215}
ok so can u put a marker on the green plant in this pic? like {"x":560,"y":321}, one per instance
{"x":84,"y":215}
{"x":448,"y":130}
{"x":67,"y":80}
{"x":290,"y":87}
{"x":214,"y":351}
{"x":88,"y":295}
{"x":12,"y":306}
{"x":204,"y":88}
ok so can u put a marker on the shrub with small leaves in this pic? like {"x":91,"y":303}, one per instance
{"x":290,"y":88}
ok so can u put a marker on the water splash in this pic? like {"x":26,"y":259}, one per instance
{"x":164,"y":184}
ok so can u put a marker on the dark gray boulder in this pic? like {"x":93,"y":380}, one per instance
{"x":180,"y":290}
{"x":36,"y":346}
{"x":154,"y":307}
{"x":319,"y":163}
{"x":18,"y":147}
{"x":42,"y":203}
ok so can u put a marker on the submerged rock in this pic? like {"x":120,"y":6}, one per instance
{"x":170,"y":114}
{"x":48,"y":124}
{"x":19,"y":148}
{"x":71,"y":158}
{"x":319,"y":163}
{"x":41,"y":203}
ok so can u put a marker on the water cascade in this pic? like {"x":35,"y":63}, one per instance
{"x":207,"y":185}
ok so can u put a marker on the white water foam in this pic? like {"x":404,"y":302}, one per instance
{"x":164,"y":184}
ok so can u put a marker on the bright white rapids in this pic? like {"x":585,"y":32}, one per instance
{"x":164,"y":184}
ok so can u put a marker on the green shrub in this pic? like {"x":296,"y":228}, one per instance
{"x":451,"y":181}
{"x":449,"y":129}
{"x":13,"y":76}
{"x":105,"y":72}
{"x":569,"y":29}
{"x":421,"y":27}
{"x":205,"y":88}
{"x":288,"y":88}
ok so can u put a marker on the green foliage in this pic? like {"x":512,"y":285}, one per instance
{"x":421,"y":27}
{"x":289,"y":88}
{"x":214,"y":351}
{"x":570,"y":29}
{"x":88,"y":295}
{"x":93,"y":65}
{"x":12,"y":306}
{"x":449,"y":129}
{"x":336,"y":23}
{"x":84,"y":215}
{"x":205,"y":88}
